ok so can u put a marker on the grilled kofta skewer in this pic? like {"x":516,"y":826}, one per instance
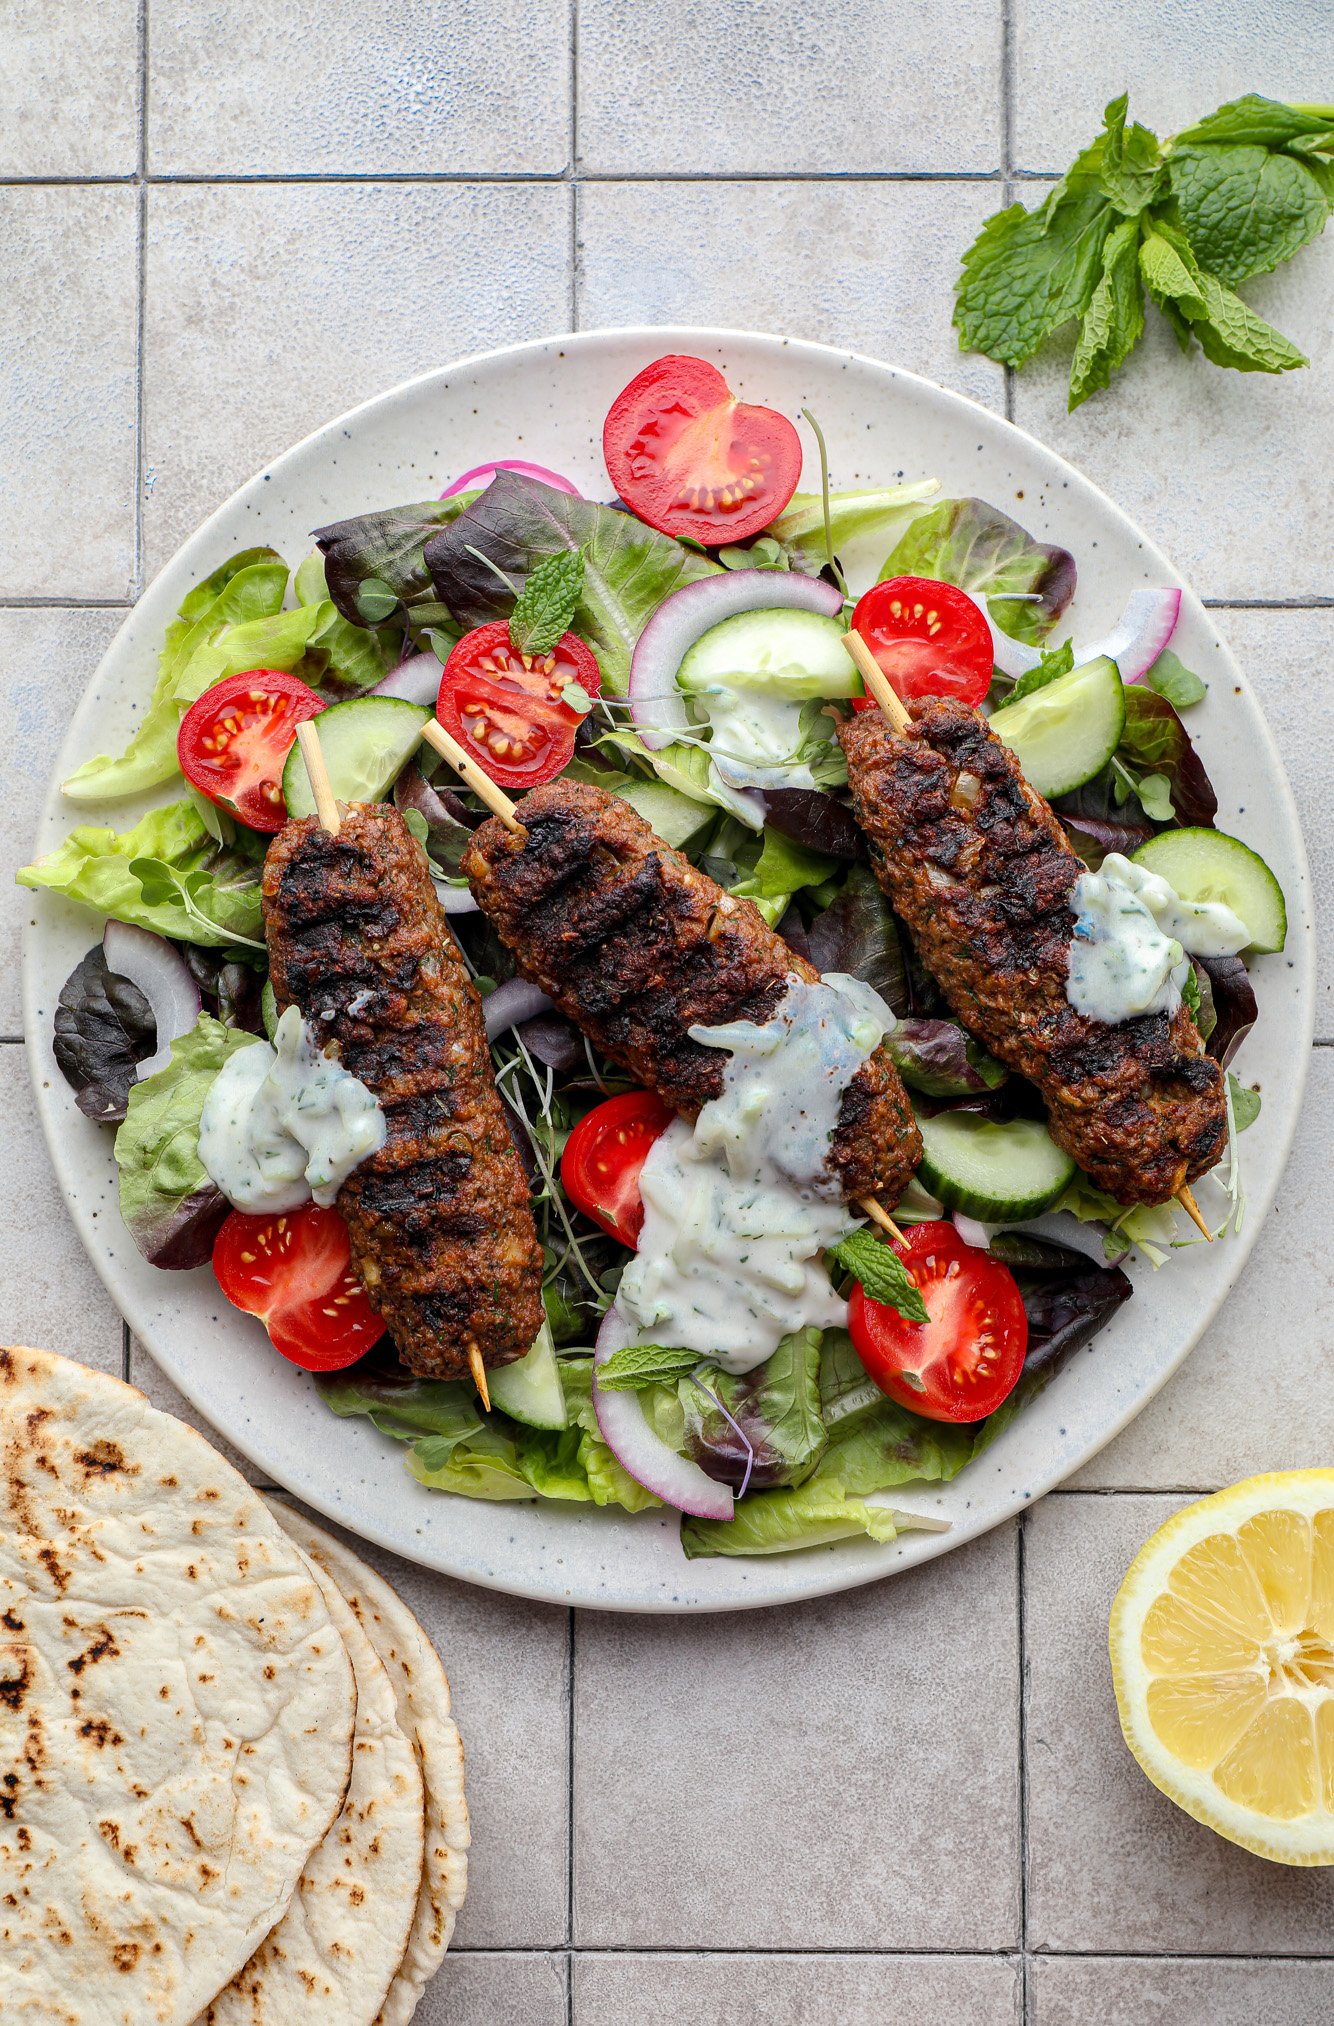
{"x":636,"y":947}
{"x":978,"y":867}
{"x":439,"y":1222}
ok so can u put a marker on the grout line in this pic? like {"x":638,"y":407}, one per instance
{"x":569,"y":1778}
{"x":126,"y":1353}
{"x":1021,"y":1570}
{"x":140,"y":303}
{"x":65,"y":604}
{"x":765,"y":1951}
{"x":515,"y":177}
{"x":1315,"y":603}
{"x":1007,"y":155}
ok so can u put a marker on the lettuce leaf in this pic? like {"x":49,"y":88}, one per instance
{"x":387,"y":549}
{"x":518,"y":522}
{"x":1025,"y":584}
{"x":852,"y":516}
{"x":170,"y":1206}
{"x":168,"y":873}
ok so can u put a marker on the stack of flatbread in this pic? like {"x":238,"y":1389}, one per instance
{"x":230,"y":1787}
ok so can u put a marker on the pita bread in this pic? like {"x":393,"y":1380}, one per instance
{"x":344,"y":1935}
{"x":422,"y":1690}
{"x":176,"y":1707}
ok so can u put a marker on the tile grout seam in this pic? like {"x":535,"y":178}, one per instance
{"x":140,"y":304}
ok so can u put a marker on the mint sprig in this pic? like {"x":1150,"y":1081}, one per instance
{"x":637,"y":1366}
{"x":882,"y":1273}
{"x":546,"y":606}
{"x":1184,"y":220}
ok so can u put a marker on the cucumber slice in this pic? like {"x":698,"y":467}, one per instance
{"x":530,"y":1389}
{"x":366,"y":742}
{"x":1064,"y":734}
{"x":1209,"y":865}
{"x":790,"y":654}
{"x":999,"y":1174}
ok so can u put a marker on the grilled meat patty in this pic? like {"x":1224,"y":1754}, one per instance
{"x":441,"y":1231}
{"x":979,"y":868}
{"x":637,"y":947}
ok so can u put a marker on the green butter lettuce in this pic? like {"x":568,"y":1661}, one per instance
{"x":1025,"y":584}
{"x":171,"y":1207}
{"x":853,"y":516}
{"x":168,"y":873}
{"x":783,"y":868}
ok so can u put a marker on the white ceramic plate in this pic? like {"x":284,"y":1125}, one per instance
{"x":546,"y":401}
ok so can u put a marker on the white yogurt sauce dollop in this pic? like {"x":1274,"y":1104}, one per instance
{"x":1132,"y":939}
{"x":739,"y":1207}
{"x":284,"y":1123}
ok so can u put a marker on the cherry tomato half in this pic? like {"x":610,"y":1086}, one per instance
{"x":690,"y":459}
{"x":489,"y":651}
{"x":599,"y":1169}
{"x":518,"y":740}
{"x":235,"y":737}
{"x":931,"y":639}
{"x":967,"y":1356}
{"x":294,"y":1271}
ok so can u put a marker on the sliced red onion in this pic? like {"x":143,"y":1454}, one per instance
{"x":1012,"y":657}
{"x":416,"y":680}
{"x":1059,"y":1227}
{"x":1141,"y":633}
{"x":456,"y":900}
{"x":511,"y":1002}
{"x":639,"y":1449}
{"x":482,"y":475}
{"x":163,"y":976}
{"x":657,"y":706}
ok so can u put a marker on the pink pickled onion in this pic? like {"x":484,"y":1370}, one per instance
{"x":482,"y":474}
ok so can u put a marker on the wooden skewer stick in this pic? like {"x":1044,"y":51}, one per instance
{"x":877,"y":682}
{"x":318,"y":774}
{"x":471,"y":775}
{"x":881,"y":1217}
{"x":478,"y":1370}
{"x":1192,"y":1210}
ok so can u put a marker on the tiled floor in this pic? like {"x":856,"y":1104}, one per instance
{"x":222,"y":222}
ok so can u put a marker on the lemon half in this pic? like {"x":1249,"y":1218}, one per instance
{"x":1222,"y":1641}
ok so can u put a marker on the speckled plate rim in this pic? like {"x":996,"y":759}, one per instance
{"x":574,"y":1555}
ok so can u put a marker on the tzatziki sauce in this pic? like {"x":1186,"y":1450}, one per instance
{"x":286,"y":1123}
{"x":739,"y":1207}
{"x":1133,"y":938}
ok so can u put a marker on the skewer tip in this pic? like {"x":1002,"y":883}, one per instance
{"x":877,"y":682}
{"x":471,"y":775}
{"x":326,"y":807}
{"x":882,"y":1217}
{"x":478,"y":1370}
{"x":1192,"y":1210}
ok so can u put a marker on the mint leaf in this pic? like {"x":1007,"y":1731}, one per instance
{"x":882,"y":1274}
{"x":1171,"y":274}
{"x":1172,"y":679}
{"x":1114,"y":319}
{"x":547,"y":603}
{"x":1131,"y":162}
{"x":637,"y":1366}
{"x":1245,"y":1103}
{"x":1059,"y":661}
{"x":1029,"y":272}
{"x":1231,"y":334}
{"x":1245,"y":209}
{"x":1265,"y":121}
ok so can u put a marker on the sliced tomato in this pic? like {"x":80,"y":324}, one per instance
{"x":931,"y":639}
{"x":489,"y":652}
{"x":518,"y":740}
{"x":967,"y":1356}
{"x":599,"y":1169}
{"x":690,"y":459}
{"x":294,"y":1271}
{"x":235,"y":737}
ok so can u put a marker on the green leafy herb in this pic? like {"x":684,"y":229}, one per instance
{"x":636,"y":1366}
{"x":376,"y":600}
{"x":1172,"y":679}
{"x":548,"y":602}
{"x":1025,"y":584}
{"x":170,"y":1205}
{"x":1232,"y":196}
{"x":576,"y":698}
{"x":1059,"y":661}
{"x":882,"y":1273}
{"x":1155,"y":794}
{"x":1245,"y":1103}
{"x":1190,"y":992}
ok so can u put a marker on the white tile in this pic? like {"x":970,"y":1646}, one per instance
{"x":867,"y":265}
{"x":507,"y":1662}
{"x":1228,"y":472}
{"x":1178,"y":58}
{"x":387,"y":87}
{"x":1139,"y":1992}
{"x":273,"y":307}
{"x":52,"y":1299}
{"x":842,"y":1773}
{"x":1258,"y":1392}
{"x":779,"y":87}
{"x":1114,"y":1866}
{"x":69,"y":88}
{"x":727,"y":1990}
{"x":500,"y":1990}
{"x":47,"y":658}
{"x":68,"y":276}
{"x":1289,"y":657}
